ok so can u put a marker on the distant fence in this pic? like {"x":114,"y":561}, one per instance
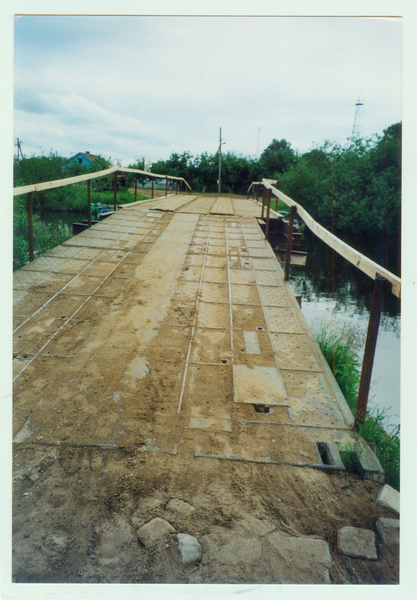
{"x":380,"y":276}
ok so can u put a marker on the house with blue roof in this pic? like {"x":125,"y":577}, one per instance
{"x":85,"y":159}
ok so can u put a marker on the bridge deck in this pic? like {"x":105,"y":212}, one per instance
{"x":171,"y":332}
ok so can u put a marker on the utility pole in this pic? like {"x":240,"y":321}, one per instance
{"x":220,"y":161}
{"x":18,"y":143}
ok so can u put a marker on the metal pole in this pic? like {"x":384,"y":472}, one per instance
{"x":30,"y":224}
{"x":369,"y":354}
{"x":263,"y":202}
{"x":153,"y":180}
{"x":89,"y":202}
{"x":136,"y":186}
{"x":293,"y":210}
{"x":268,"y":206}
{"x":115,"y":192}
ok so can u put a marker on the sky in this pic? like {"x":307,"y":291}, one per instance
{"x":143,"y":86}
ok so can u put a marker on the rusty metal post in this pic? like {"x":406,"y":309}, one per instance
{"x":166,"y":186}
{"x":30,"y":224}
{"x":263,"y":202}
{"x":268,"y":206}
{"x":369,"y":354}
{"x":153,"y":181}
{"x":136,"y":186}
{"x":115,"y":192}
{"x":89,"y":202}
{"x":293,"y":210}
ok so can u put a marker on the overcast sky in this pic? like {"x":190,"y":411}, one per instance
{"x":128,"y":87}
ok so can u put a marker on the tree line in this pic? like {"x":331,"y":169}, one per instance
{"x":354,"y":187}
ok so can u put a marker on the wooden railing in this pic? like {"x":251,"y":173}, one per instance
{"x":365,"y":264}
{"x":49,"y":185}
{"x":29,"y":190}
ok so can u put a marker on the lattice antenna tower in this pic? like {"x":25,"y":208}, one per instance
{"x":357,"y":131}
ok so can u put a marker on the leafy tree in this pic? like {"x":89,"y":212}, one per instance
{"x":276,"y":159}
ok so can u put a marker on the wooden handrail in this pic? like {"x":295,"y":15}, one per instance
{"x":365,"y":264}
{"x":49,"y":185}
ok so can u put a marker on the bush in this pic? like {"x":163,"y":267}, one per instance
{"x":340,"y":351}
{"x":44,"y":237}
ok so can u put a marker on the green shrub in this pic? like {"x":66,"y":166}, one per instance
{"x":340,"y":351}
{"x":341,"y":357}
{"x":386,"y":445}
{"x":44,"y":237}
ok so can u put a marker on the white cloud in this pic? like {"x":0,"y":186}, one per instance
{"x":170,"y":83}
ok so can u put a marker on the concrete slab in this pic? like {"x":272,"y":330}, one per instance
{"x":357,"y":543}
{"x":188,"y":328}
{"x":301,"y":560}
{"x":389,"y":498}
{"x":259,"y":385}
{"x":389,"y":531}
{"x":251,"y":342}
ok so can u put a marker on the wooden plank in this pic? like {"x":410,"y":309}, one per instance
{"x":222,"y":206}
{"x":365,"y":264}
{"x":176,"y":202}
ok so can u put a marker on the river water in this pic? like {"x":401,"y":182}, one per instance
{"x":336,"y":294}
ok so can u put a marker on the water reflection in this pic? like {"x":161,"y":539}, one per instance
{"x":336,"y":293}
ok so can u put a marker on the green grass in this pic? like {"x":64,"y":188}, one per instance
{"x":340,"y":351}
{"x":69,"y":199}
{"x":386,"y":445}
{"x":44,"y":237}
{"x":76,"y":198}
{"x":340,"y":354}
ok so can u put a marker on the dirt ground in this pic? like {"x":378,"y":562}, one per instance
{"x":101,"y":444}
{"x":77,"y":512}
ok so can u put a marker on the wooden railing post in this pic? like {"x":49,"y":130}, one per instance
{"x":115,"y":192}
{"x":258,"y":187}
{"x":30,"y":224}
{"x":268,"y":206}
{"x":166,"y":186}
{"x":153,"y":182}
{"x":369,"y":354}
{"x":136,"y":186}
{"x":263,"y":202}
{"x":293,"y":211}
{"x":89,"y":202}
